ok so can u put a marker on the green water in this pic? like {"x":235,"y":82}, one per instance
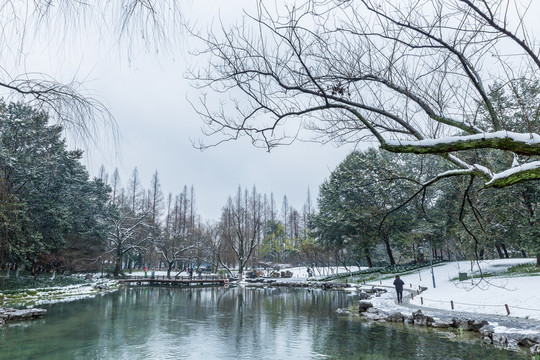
{"x":219,"y":323}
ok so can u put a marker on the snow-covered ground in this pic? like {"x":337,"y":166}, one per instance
{"x":318,"y":272}
{"x":40,"y":296}
{"x":480,"y":296}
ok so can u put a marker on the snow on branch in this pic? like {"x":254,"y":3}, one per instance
{"x":519,"y":143}
{"x":529,"y":171}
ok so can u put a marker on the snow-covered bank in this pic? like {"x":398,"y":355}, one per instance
{"x":476,"y":301}
{"x":39,"y":296}
{"x":489,"y":295}
{"x":299,"y":273}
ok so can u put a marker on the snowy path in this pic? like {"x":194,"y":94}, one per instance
{"x":388,"y":303}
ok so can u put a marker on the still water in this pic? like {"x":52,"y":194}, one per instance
{"x":219,"y":323}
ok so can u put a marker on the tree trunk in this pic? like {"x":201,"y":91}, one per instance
{"x":130,"y":263}
{"x":240,"y":273}
{"x":538,"y":260}
{"x":169,"y":269}
{"x":369,"y":263}
{"x":118,"y":266}
{"x":389,"y":252}
{"x":523,"y":253}
{"x":499,"y":251}
{"x":505,"y":250}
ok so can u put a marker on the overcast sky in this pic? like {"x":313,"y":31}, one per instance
{"x":147,"y":94}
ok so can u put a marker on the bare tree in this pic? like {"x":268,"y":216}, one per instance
{"x":172,"y":244}
{"x":156,"y":199}
{"x":416,"y":76}
{"x":307,"y":211}
{"x":127,"y":233}
{"x":240,"y":226}
{"x":135,"y":192}
{"x":115,"y":186}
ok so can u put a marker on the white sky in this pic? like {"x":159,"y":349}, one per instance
{"x":147,"y":94}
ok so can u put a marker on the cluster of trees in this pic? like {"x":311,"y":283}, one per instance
{"x":458,"y":79}
{"x":376,"y":203}
{"x":147,"y":230}
{"x":54,"y":217}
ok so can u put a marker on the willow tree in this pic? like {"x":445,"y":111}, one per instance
{"x":60,"y":24}
{"x":414,"y":76}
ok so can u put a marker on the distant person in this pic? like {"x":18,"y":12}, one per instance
{"x":199,"y":272}
{"x":153,"y":273}
{"x":190,"y":273}
{"x":144,"y":271}
{"x":398,"y":283}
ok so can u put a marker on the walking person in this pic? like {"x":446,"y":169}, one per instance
{"x":398,"y":283}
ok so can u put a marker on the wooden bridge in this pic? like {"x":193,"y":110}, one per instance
{"x":176,"y":280}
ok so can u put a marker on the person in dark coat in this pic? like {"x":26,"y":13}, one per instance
{"x":398,"y":283}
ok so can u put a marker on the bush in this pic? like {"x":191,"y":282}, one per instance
{"x":27,"y":281}
{"x":527,"y":268}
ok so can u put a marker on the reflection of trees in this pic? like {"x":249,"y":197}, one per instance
{"x":262,"y":318}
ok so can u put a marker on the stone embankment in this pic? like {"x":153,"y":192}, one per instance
{"x":7,"y":314}
{"x":528,"y":339}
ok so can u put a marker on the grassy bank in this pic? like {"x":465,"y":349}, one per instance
{"x":27,"y":290}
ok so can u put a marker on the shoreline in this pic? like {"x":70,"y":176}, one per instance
{"x":23,"y":304}
{"x":504,"y":332}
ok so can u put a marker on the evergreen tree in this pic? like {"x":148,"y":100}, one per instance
{"x":46,"y":192}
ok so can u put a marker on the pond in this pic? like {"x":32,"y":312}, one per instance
{"x":225,"y":323}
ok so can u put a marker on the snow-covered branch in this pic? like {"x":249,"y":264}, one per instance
{"x":519,"y":143}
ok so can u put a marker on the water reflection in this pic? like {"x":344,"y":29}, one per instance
{"x":218,"y":323}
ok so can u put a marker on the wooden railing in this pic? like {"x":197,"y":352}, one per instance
{"x":181,"y":278}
